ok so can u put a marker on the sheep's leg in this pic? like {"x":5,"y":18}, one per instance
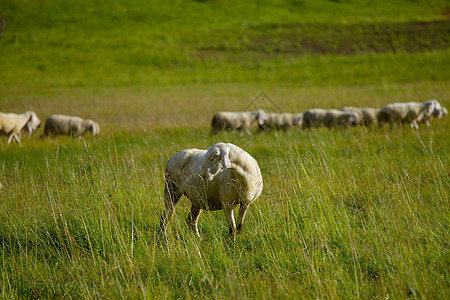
{"x":171,"y":197}
{"x":242,"y":211}
{"x":9,"y":139}
{"x":13,"y":136}
{"x":228,"y":209}
{"x":16,"y":137}
{"x":193,"y":218}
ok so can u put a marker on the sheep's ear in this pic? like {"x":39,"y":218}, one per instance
{"x":226,"y":158}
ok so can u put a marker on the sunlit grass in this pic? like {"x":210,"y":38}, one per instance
{"x":343,"y":214}
{"x":357,"y":213}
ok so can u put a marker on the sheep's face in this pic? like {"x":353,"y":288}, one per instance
{"x":33,"y":123}
{"x":298,"y":120}
{"x":94,"y":128}
{"x":430,"y":108}
{"x":438,"y":109}
{"x":216,"y":159}
{"x":260,"y":116}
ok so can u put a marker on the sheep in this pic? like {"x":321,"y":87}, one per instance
{"x":369,"y":115}
{"x":357,"y":112}
{"x":239,"y":121}
{"x":335,"y":118}
{"x":366,"y":115}
{"x":406,"y":112}
{"x":313,"y":118}
{"x":13,"y":124}
{"x":218,"y":178}
{"x":438,"y":112}
{"x":282,"y":121}
{"x":69,"y":125}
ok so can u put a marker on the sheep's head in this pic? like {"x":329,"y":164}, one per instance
{"x":432,"y":108}
{"x":33,"y":123}
{"x":216,"y":159}
{"x":298,"y":120}
{"x":439,"y":110}
{"x":94,"y":128}
{"x":260,"y":116}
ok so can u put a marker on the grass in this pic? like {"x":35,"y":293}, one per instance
{"x":358,"y":213}
{"x":355,"y":216}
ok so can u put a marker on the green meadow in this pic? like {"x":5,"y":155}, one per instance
{"x":355,"y":213}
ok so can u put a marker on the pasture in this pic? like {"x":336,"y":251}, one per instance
{"x":355,"y":213}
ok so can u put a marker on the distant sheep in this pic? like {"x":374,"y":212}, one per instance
{"x":14,"y":124}
{"x":218,"y":178}
{"x":369,"y":115}
{"x":69,"y":125}
{"x":313,"y":118}
{"x":281,"y":121}
{"x":406,"y":112}
{"x":366,"y":116}
{"x":340,"y":118}
{"x":237,"y":121}
{"x":357,"y":113}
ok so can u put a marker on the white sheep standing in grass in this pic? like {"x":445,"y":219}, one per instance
{"x":341,"y":118}
{"x":313,"y":117}
{"x":281,"y":121}
{"x":13,"y":124}
{"x":237,"y":121}
{"x":69,"y":125}
{"x":218,"y":178}
{"x":407,"y":112}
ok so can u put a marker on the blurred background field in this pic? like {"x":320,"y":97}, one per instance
{"x":358,"y":213}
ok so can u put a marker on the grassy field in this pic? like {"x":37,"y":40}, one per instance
{"x":357,"y":213}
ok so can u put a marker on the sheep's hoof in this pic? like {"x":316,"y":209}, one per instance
{"x":232,"y":232}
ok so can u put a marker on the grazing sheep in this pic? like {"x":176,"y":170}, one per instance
{"x":339,"y":118}
{"x":366,"y":116}
{"x":406,"y":112}
{"x":69,"y":125}
{"x":218,"y":178}
{"x":313,"y":118}
{"x":239,"y":121}
{"x":438,"y":112}
{"x":283,"y":121}
{"x":14,"y":124}
{"x":369,"y":115}
{"x":357,"y":112}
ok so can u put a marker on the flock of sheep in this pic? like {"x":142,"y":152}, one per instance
{"x":218,"y":178}
{"x":410,"y":113}
{"x":225,"y":175}
{"x":13,"y":125}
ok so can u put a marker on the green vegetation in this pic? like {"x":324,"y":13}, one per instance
{"x":358,"y":213}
